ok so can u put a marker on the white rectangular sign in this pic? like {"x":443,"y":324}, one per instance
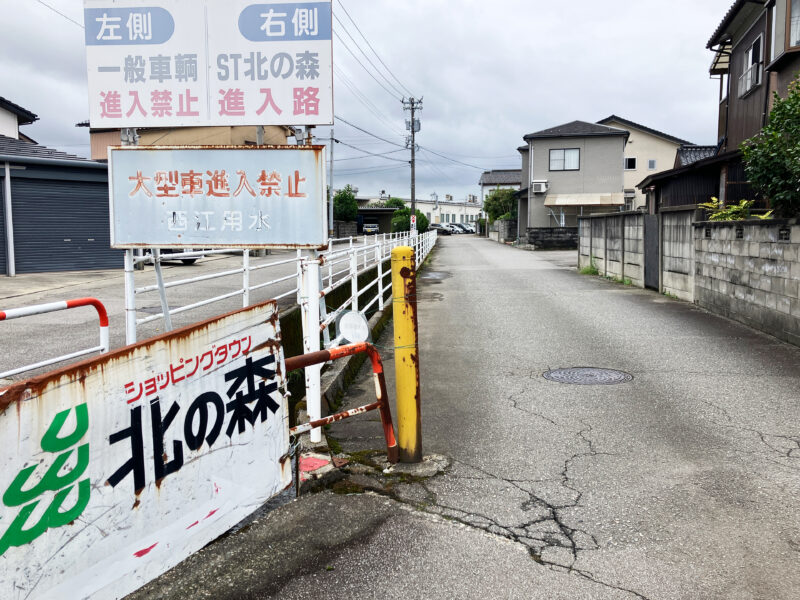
{"x":218,"y":197}
{"x":173,"y":63}
{"x":115,"y":469}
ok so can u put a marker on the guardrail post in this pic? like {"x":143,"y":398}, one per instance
{"x":310,"y":311}
{"x":130,"y":299}
{"x":245,"y":278}
{"x":323,"y":309}
{"x":162,"y":291}
{"x":354,"y":280}
{"x":406,"y":354}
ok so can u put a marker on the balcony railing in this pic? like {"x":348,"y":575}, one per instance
{"x":749,"y":79}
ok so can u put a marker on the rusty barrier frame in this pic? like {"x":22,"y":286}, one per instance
{"x":382,"y":403}
{"x":40,"y":309}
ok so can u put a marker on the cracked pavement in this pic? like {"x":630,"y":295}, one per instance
{"x":682,"y":483}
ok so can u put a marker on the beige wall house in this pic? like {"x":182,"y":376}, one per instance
{"x":648,"y":152}
{"x":101,"y":139}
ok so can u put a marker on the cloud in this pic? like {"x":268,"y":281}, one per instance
{"x":489,"y":73}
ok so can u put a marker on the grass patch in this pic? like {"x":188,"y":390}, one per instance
{"x":589,"y":270}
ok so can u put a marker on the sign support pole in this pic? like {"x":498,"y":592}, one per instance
{"x":162,"y":291}
{"x":310,"y":307}
{"x":130,"y":299}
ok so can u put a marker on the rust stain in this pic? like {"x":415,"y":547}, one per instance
{"x":136,"y":504}
{"x":79,"y":371}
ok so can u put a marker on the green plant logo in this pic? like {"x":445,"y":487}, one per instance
{"x":23,"y":493}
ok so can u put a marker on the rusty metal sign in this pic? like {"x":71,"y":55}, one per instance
{"x":190,"y":63}
{"x":115,"y":469}
{"x":218,"y":197}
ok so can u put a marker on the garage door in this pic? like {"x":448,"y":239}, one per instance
{"x":61,"y":226}
{"x":3,"y":263}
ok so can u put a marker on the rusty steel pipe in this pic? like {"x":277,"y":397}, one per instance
{"x":382,"y":404}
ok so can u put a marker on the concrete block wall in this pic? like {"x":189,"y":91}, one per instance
{"x":614,"y":239}
{"x":615,"y":243}
{"x":750,"y":271}
{"x":342,"y":229}
{"x":677,"y":248}
{"x":506,"y":230}
{"x":634,"y":249}
{"x":553,"y":238}
{"x":584,"y":243}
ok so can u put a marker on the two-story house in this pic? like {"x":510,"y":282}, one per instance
{"x":648,"y":151}
{"x":568,"y":171}
{"x":756,"y":53}
{"x":498,"y":179}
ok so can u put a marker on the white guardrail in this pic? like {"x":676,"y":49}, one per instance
{"x":316,"y":275}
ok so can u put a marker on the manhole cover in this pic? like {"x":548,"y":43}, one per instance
{"x":588,"y":376}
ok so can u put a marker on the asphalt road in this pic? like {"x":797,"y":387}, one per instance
{"x":682,"y":483}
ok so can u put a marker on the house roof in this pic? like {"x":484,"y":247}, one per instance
{"x":650,"y":130}
{"x":501,"y":177}
{"x":13,"y":147}
{"x":711,"y":161}
{"x":689,"y":153}
{"x":24,"y":117}
{"x":723,"y":31}
{"x":522,"y":149}
{"x":576,"y":129}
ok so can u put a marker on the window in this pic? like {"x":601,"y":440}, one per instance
{"x":630,"y":163}
{"x":751,"y":74}
{"x":429,"y":217}
{"x":565,"y":159}
{"x":651,"y":164}
{"x":794,"y":26}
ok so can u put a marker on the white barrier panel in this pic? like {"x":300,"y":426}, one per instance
{"x":115,"y":469}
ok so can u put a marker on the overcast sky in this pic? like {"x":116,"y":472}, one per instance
{"x":489,"y":73}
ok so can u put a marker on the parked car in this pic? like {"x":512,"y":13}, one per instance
{"x":452,"y":228}
{"x":166,"y":252}
{"x":440,"y":229}
{"x":470,"y":227}
{"x":370,"y":228}
{"x":461,"y":227}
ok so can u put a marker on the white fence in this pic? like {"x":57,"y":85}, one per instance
{"x":315,"y":275}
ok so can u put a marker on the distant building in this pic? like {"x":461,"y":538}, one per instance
{"x":435,"y":209}
{"x":499,"y":179}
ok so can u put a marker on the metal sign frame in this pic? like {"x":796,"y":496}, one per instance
{"x":211,"y":203}
{"x":198,"y":63}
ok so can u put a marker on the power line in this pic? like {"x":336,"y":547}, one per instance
{"x":458,"y":162}
{"x":370,"y":153}
{"x":369,"y":60}
{"x":368,"y":133}
{"x":369,"y":170}
{"x":346,"y":47}
{"x":361,"y":97}
{"x":388,"y":70}
{"x":60,"y":13}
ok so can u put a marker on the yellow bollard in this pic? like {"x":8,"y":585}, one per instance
{"x":406,"y":354}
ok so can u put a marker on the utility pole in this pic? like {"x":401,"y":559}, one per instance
{"x":413,"y":125}
{"x":330,"y":190}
